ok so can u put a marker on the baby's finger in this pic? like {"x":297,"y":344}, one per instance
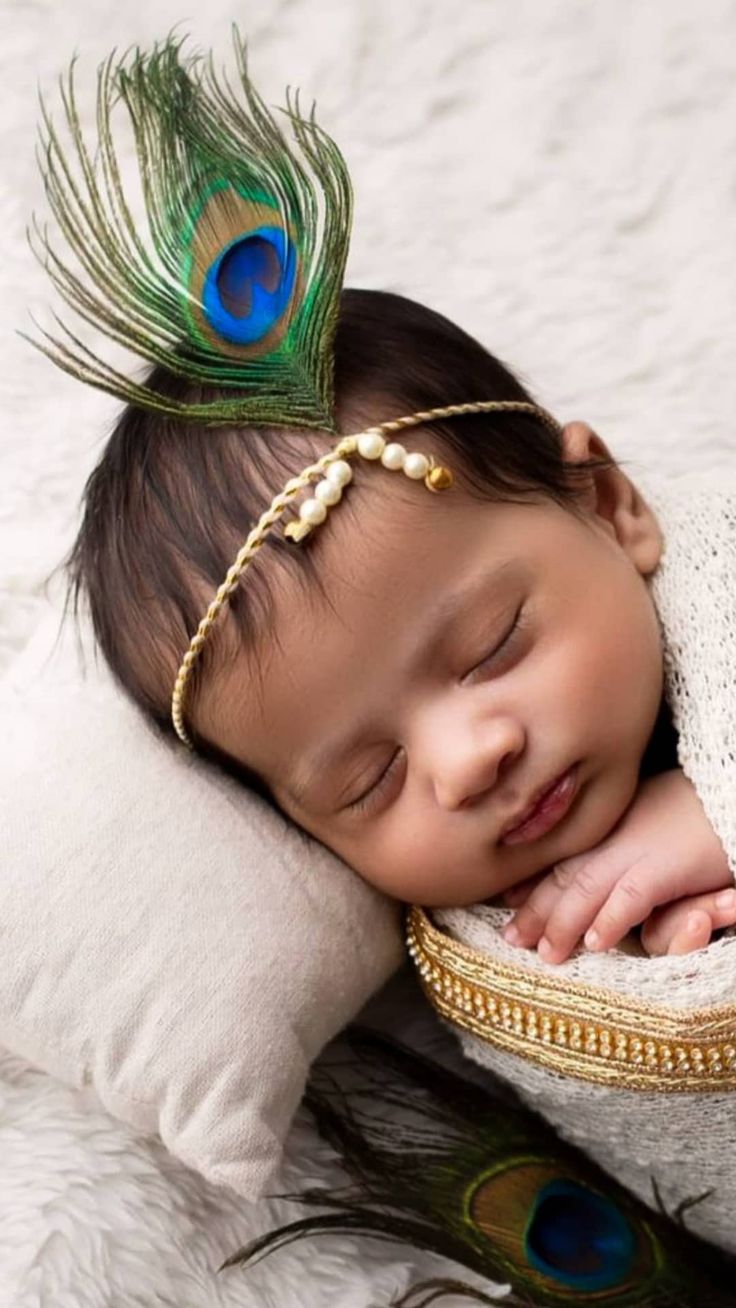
{"x":630,"y":902}
{"x":527,"y":925}
{"x":693,"y":934}
{"x":661,"y":927}
{"x":639,"y":892}
{"x":588,"y":884}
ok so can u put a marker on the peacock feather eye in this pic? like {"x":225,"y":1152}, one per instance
{"x":579,"y":1237}
{"x":240,"y":273}
{"x":574,"y":1238}
{"x":249,"y":285}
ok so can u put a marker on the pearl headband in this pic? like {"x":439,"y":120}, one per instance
{"x":334,"y":473}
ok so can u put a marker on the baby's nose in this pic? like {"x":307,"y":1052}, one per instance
{"x":470,"y":764}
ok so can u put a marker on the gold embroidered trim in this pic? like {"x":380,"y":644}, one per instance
{"x":575,"y":1030}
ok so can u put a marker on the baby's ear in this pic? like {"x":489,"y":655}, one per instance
{"x":614,"y":499}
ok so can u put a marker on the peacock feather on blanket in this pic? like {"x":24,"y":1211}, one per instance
{"x":442,"y":1164}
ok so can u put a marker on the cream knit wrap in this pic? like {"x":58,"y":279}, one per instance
{"x":686,"y":1140}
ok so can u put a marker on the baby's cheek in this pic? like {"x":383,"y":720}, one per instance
{"x":419,"y":860}
{"x":622,"y":720}
{"x":413,"y":860}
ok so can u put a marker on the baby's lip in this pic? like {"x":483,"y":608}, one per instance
{"x":525,"y":814}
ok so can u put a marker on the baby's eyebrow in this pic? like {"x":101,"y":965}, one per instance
{"x":428,"y":637}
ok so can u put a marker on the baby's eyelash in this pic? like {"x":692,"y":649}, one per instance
{"x":376,"y":788}
{"x":517,"y":625}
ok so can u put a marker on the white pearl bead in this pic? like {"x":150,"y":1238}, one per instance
{"x":393,"y":456}
{"x":371,"y":445}
{"x":328,"y":491}
{"x":416,"y":466}
{"x":313,"y":512}
{"x":340,"y":472}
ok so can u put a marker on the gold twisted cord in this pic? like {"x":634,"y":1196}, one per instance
{"x":455,"y":410}
{"x":347,"y":445}
{"x":250,"y":547}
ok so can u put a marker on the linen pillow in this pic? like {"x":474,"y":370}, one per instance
{"x":166,"y":939}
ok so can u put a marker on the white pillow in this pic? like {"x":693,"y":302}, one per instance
{"x":166,"y":939}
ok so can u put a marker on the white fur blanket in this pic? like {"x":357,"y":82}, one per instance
{"x":558,"y":178}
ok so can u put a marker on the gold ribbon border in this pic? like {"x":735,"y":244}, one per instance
{"x":573,"y":1029}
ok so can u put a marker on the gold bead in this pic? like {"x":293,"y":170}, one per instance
{"x":439,"y":479}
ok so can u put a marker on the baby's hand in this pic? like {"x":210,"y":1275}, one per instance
{"x":688,"y":924}
{"x":662,"y":849}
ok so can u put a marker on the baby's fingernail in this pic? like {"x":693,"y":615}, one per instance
{"x":592,"y":939}
{"x":546,"y":950}
{"x":512,"y":934}
{"x":726,"y":899}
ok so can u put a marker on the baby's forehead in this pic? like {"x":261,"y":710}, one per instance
{"x":392,"y":554}
{"x":389,"y":517}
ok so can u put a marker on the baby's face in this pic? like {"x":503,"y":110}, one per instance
{"x":463,"y":656}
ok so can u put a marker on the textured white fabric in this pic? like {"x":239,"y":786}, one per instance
{"x":166,"y":939}
{"x":694,"y":591}
{"x":687,"y":1142}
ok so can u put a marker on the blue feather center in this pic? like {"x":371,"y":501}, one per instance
{"x":249,"y":285}
{"x":578,"y":1237}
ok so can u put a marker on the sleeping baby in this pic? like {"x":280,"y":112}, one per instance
{"x":432,"y":644}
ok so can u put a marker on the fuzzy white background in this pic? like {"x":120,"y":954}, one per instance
{"x":560,"y":178}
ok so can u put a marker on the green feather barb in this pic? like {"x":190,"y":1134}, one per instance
{"x":237,"y":286}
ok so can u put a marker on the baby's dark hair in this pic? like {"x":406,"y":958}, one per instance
{"x":170,"y":502}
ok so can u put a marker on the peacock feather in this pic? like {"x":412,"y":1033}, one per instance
{"x":236,"y":284}
{"x":442,"y":1164}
